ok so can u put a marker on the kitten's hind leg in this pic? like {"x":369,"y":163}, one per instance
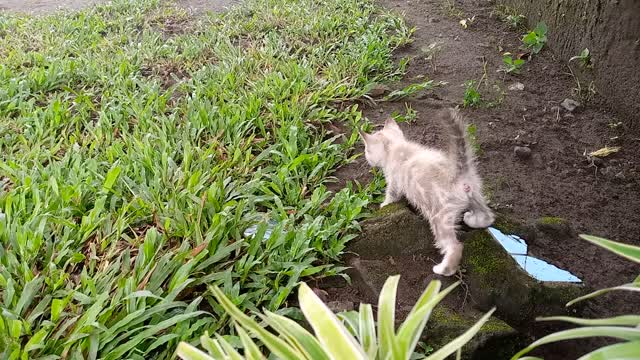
{"x":445,"y":235}
{"x":479,"y":215}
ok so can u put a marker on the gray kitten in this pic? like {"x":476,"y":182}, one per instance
{"x":441,"y":185}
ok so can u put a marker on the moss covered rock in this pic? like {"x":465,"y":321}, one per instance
{"x":496,"y":339}
{"x":394,"y":230}
{"x":491,"y":278}
{"x":495,"y":279}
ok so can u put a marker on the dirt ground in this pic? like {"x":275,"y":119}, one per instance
{"x":47,"y":6}
{"x":597,"y":197}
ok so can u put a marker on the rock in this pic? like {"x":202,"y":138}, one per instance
{"x":570,"y":104}
{"x":555,"y":227}
{"x":378,"y":90}
{"x":330,"y":282}
{"x":522,"y":152}
{"x":340,"y":306}
{"x":492,"y":277}
{"x":495,"y":340}
{"x":517,"y":86}
{"x":446,"y":322}
{"x":379,"y":229}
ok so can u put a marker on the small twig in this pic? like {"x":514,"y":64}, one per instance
{"x":465,"y":286}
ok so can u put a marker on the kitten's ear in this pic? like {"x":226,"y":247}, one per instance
{"x":390,"y":123}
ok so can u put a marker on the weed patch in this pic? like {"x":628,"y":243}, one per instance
{"x":142,"y":152}
{"x":536,"y":38}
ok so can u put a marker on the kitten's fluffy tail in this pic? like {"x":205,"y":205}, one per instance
{"x":459,"y":146}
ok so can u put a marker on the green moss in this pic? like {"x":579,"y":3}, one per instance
{"x":557,"y":295}
{"x":494,"y":326}
{"x":505,"y":225}
{"x":482,"y":254}
{"x":445,"y":316}
{"x":445,"y":325}
{"x":552,"y":220}
{"x":389,"y":209}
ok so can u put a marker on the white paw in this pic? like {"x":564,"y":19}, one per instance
{"x":478,"y":220}
{"x":441,"y":269}
{"x":384,"y":204}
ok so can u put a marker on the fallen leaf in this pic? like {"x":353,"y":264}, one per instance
{"x":605,"y":151}
{"x":198,"y":249}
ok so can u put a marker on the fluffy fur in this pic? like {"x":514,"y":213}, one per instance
{"x":442,"y":185}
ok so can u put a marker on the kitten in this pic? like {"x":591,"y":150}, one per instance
{"x":442,"y":185}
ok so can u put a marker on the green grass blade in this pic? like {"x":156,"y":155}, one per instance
{"x":189,"y":352}
{"x":111,"y":177}
{"x":232,"y":353}
{"x":330,"y":332}
{"x":386,"y":319}
{"x":630,"y":252}
{"x":367,"y":331}
{"x":29,"y":292}
{"x":624,"y":351}
{"x":119,"y":351}
{"x":251,"y":350}
{"x":626,"y":287}
{"x":297,"y":336}
{"x":411,"y":329}
{"x":629,"y":334}
{"x":276,"y":345}
{"x":623,"y":320}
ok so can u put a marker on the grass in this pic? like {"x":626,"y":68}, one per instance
{"x":451,"y":9}
{"x":134,"y":152}
{"x":510,"y":16}
{"x":472,"y":97}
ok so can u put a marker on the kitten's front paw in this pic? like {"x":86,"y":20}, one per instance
{"x":441,"y":269}
{"x":384,"y":204}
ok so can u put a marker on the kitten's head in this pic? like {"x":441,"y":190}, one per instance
{"x":376,"y":145}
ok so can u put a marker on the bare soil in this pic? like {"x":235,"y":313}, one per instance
{"x":596,"y":196}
